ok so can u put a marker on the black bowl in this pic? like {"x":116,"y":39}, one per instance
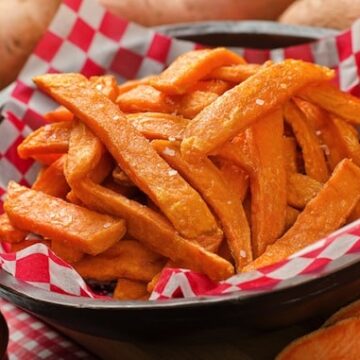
{"x":4,"y":337}
{"x":297,"y":300}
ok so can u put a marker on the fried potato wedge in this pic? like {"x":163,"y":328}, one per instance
{"x":234,"y":73}
{"x":325,"y":213}
{"x":314,"y":158}
{"x":60,"y":114}
{"x":59,"y":220}
{"x":217,"y":87}
{"x":267,"y":180}
{"x":301,"y":189}
{"x":181,"y":204}
{"x":48,"y":139}
{"x":332,"y":343}
{"x":247,"y":102}
{"x":333,"y":100}
{"x":206,"y":178}
{"x":66,"y":252}
{"x":130,"y":290}
{"x":158,"y":125}
{"x":191,"y":67}
{"x":8,"y":232}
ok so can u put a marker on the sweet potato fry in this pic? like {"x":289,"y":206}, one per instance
{"x":132,"y":84}
{"x":178,"y":201}
{"x":158,"y":125}
{"x":60,"y":114}
{"x":355,"y":214}
{"x":52,"y":180}
{"x":215,"y":86}
{"x":8,"y":232}
{"x":333,"y":100}
{"x":315,"y":115}
{"x":191,"y":67}
{"x":66,"y":252}
{"x":127,"y":258}
{"x":71,"y":197}
{"x":290,"y":154}
{"x":301,"y":189}
{"x":15,"y":247}
{"x":49,"y":139}
{"x":152,"y":229}
{"x":346,"y":312}
{"x":106,"y":84}
{"x":130,"y":290}
{"x":47,"y":159}
{"x":234,"y":73}
{"x":322,"y":215}
{"x":121,"y":178}
{"x":332,"y":343}
{"x":267,"y":180}
{"x":314,"y":159}
{"x":145,"y":98}
{"x":237,"y":179}
{"x":59,"y":220}
{"x":290,"y":217}
{"x":190,"y":104}
{"x":247,"y":102}
{"x":206,"y":178}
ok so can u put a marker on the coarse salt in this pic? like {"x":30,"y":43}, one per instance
{"x":260,"y":102}
{"x":99,"y":87}
{"x":169,"y":152}
{"x":116,"y":117}
{"x":283,"y":86}
{"x":106,"y":226}
{"x":172,"y":172}
{"x":242,"y":253}
{"x":172,"y":138}
{"x":318,"y":132}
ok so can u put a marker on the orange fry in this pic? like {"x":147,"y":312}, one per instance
{"x":215,"y":86}
{"x":130,"y":290}
{"x":190,"y":104}
{"x":47,"y":159}
{"x":301,"y":189}
{"x":60,"y":114}
{"x":206,"y":178}
{"x":121,"y":178}
{"x":66,"y":252}
{"x":15,"y":247}
{"x":145,"y":98}
{"x":131,"y":84}
{"x":59,"y":220}
{"x":191,"y":67}
{"x":290,"y":217}
{"x":127,"y":258}
{"x":314,"y":159}
{"x":177,"y":200}
{"x":290,"y":154}
{"x":158,"y":125}
{"x":49,"y":139}
{"x":234,"y":73}
{"x":267,"y":180}
{"x":106,"y":84}
{"x":322,"y":215}
{"x":8,"y":232}
{"x":335,"y":342}
{"x":333,"y":100}
{"x":247,"y":102}
{"x":152,"y":229}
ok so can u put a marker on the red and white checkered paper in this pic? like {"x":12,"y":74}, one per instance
{"x":85,"y":38}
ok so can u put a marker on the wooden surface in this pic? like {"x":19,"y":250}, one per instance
{"x":210,"y":345}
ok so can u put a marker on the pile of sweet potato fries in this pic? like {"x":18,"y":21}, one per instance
{"x":215,"y":165}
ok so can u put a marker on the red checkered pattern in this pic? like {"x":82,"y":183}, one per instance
{"x":31,"y":339}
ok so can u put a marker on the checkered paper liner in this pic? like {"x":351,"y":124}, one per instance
{"x":85,"y":38}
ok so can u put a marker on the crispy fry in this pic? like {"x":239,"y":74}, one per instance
{"x":191,"y":67}
{"x":8,"y":232}
{"x":332,"y":343}
{"x":47,"y":159}
{"x":130,"y":290}
{"x":315,"y":115}
{"x":177,"y":200}
{"x":290,"y":217}
{"x":190,"y":104}
{"x":234,"y":73}
{"x":349,"y":311}
{"x":106,"y":84}
{"x":131,"y":84}
{"x":215,"y":86}
{"x":49,"y":139}
{"x":145,"y":98}
{"x":60,"y":114}
{"x":267,"y":180}
{"x":301,"y":189}
{"x":121,"y":178}
{"x":66,"y":252}
{"x":127,"y":258}
{"x":154,"y":231}
{"x":333,"y":100}
{"x":236,"y":178}
{"x":247,"y":102}
{"x":158,"y":125}
{"x":71,"y":197}
{"x":206,"y":178}
{"x":290,"y":154}
{"x":15,"y":247}
{"x":59,"y":220}
{"x":322,"y":215}
{"x":314,"y":159}
{"x":52,"y":180}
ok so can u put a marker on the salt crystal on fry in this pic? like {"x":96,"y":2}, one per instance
{"x":172,"y":172}
{"x":169,"y":152}
{"x":260,"y":102}
{"x":242,"y":253}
